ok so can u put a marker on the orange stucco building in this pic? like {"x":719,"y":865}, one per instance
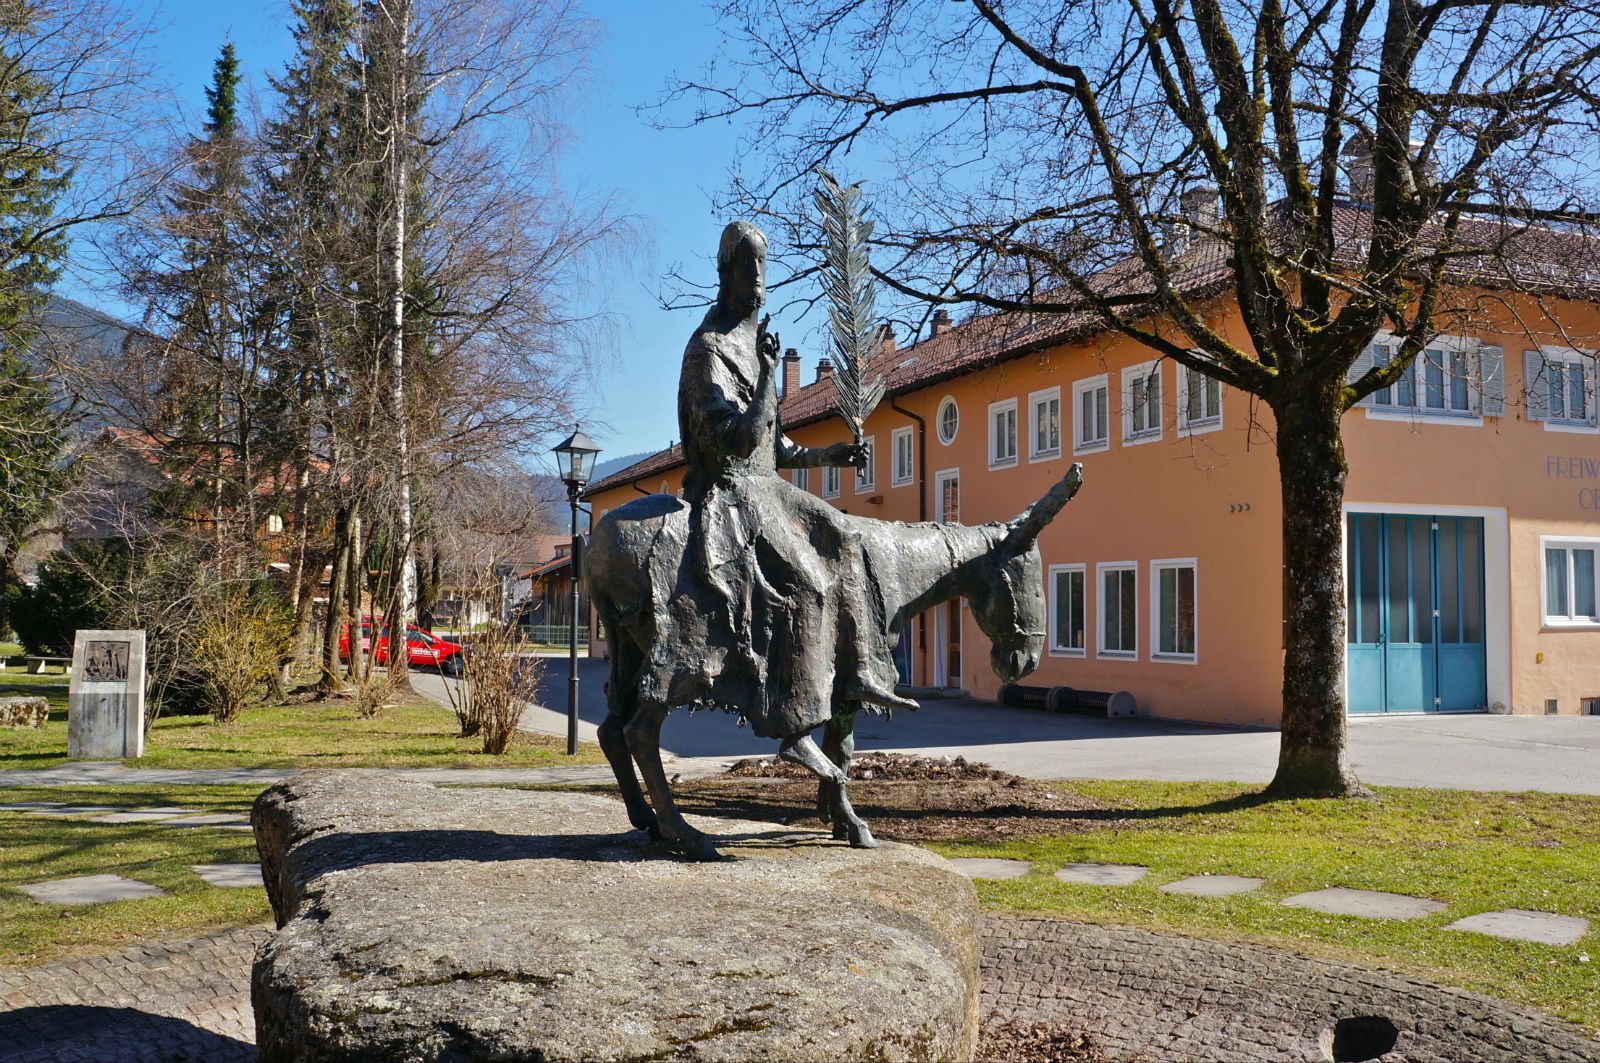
{"x":1472,"y":528}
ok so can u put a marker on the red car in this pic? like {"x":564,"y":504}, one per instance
{"x":423,"y":649}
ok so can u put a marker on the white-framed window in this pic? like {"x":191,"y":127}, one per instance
{"x":1119,"y":609}
{"x":1002,"y":434}
{"x":1044,"y":424}
{"x":947,"y":496}
{"x":1199,"y":402}
{"x":1141,"y":403}
{"x":948,"y":420}
{"x":1091,"y":414}
{"x":830,"y":482}
{"x":274,"y":524}
{"x":1561,"y":388}
{"x":1069,"y":599}
{"x":666,"y":488}
{"x":1441,"y":381}
{"x":867,"y":475}
{"x":902,"y":458}
{"x":802,"y":478}
{"x":1569,"y":581}
{"x":1172,"y":610}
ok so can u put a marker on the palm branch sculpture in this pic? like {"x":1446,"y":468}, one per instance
{"x":852,"y":297}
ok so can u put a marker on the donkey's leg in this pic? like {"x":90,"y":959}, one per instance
{"x":644,"y":742}
{"x":622,"y":701}
{"x":802,"y":750}
{"x":839,"y":745}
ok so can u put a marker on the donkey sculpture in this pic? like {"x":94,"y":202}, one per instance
{"x":639,"y":582}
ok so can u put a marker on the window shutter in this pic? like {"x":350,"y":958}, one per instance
{"x":1492,"y":380}
{"x":1535,"y":386}
{"x":1358,"y":369}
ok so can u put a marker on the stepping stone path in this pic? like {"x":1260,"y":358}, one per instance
{"x":1368,"y":904}
{"x":210,"y":819}
{"x":229,"y":874}
{"x":143,"y":815}
{"x":979,"y":867}
{"x":1102,"y":874}
{"x":90,"y":889}
{"x":1519,"y":924}
{"x":170,"y":814}
{"x":69,"y":811}
{"x":1212,"y":885}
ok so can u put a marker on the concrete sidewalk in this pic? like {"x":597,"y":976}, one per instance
{"x":1558,"y":754}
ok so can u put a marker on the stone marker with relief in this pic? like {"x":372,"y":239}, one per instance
{"x":105,"y":703}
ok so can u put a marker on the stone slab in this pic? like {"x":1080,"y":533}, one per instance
{"x":1102,"y":874}
{"x":236,"y":875}
{"x":105,"y":700}
{"x":419,"y":923}
{"x":984,"y":867}
{"x":210,"y":819}
{"x":90,"y":889}
{"x":142,"y":815}
{"x":1520,"y":924}
{"x":29,"y":806}
{"x":61,"y":811}
{"x":1212,"y":885}
{"x":1368,"y":904}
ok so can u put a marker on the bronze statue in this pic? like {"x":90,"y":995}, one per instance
{"x":751,"y":595}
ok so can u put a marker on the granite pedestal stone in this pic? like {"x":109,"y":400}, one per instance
{"x":419,"y":923}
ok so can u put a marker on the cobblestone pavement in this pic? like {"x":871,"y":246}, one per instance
{"x":181,"y":1000}
{"x":1165,"y":997}
{"x":1158,"y":997}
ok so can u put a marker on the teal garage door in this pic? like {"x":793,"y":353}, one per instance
{"x":1414,"y":632}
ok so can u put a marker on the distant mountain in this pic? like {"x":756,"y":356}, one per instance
{"x":605,"y":468}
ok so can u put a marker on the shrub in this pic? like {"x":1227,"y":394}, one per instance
{"x":239,"y":636}
{"x":498,"y":680}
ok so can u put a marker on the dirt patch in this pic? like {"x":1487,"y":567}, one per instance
{"x":907,"y":798}
{"x":1038,"y":1042}
{"x":881,"y":766}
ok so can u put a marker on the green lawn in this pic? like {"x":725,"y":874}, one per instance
{"x":320,"y":735}
{"x":1476,"y":852}
{"x":36,"y":848}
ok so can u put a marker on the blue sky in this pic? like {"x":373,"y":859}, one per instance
{"x":664,"y":177}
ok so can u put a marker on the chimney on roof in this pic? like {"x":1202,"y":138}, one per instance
{"x":940,"y":322}
{"x":1201,"y":207}
{"x":1357,"y":156}
{"x":888,"y":345}
{"x":791,"y":372}
{"x":824,"y":368}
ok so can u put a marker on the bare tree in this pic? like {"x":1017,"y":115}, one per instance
{"x":1350,"y":167}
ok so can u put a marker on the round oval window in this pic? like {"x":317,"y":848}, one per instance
{"x":949,"y":421}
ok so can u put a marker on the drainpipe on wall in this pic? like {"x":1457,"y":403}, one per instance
{"x":922,"y":495}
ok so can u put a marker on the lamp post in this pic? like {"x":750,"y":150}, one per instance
{"x":575,"y":456}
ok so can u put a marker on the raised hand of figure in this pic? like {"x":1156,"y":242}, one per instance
{"x":767,"y":344}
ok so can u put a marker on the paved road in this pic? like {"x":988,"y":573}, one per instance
{"x":1559,"y":754}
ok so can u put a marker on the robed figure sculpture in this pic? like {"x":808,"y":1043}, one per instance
{"x":752,"y":595}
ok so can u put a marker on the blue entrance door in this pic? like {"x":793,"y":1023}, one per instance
{"x":1415,"y":626}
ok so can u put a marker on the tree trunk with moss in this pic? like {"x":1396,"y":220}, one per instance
{"x":1312,"y":759}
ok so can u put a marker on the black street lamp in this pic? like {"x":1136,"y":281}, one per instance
{"x":575,"y":456}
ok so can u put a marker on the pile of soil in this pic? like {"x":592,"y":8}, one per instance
{"x":907,"y":798}
{"x":1036,"y":1042}
{"x":882,"y":766}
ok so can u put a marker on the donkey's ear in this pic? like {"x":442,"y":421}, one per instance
{"x":1027,"y":525}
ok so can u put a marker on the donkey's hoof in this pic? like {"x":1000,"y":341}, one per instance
{"x":861,"y":837}
{"x":840,"y":832}
{"x":697,"y":846}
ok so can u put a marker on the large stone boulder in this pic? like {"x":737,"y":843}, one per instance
{"x":422,"y":923}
